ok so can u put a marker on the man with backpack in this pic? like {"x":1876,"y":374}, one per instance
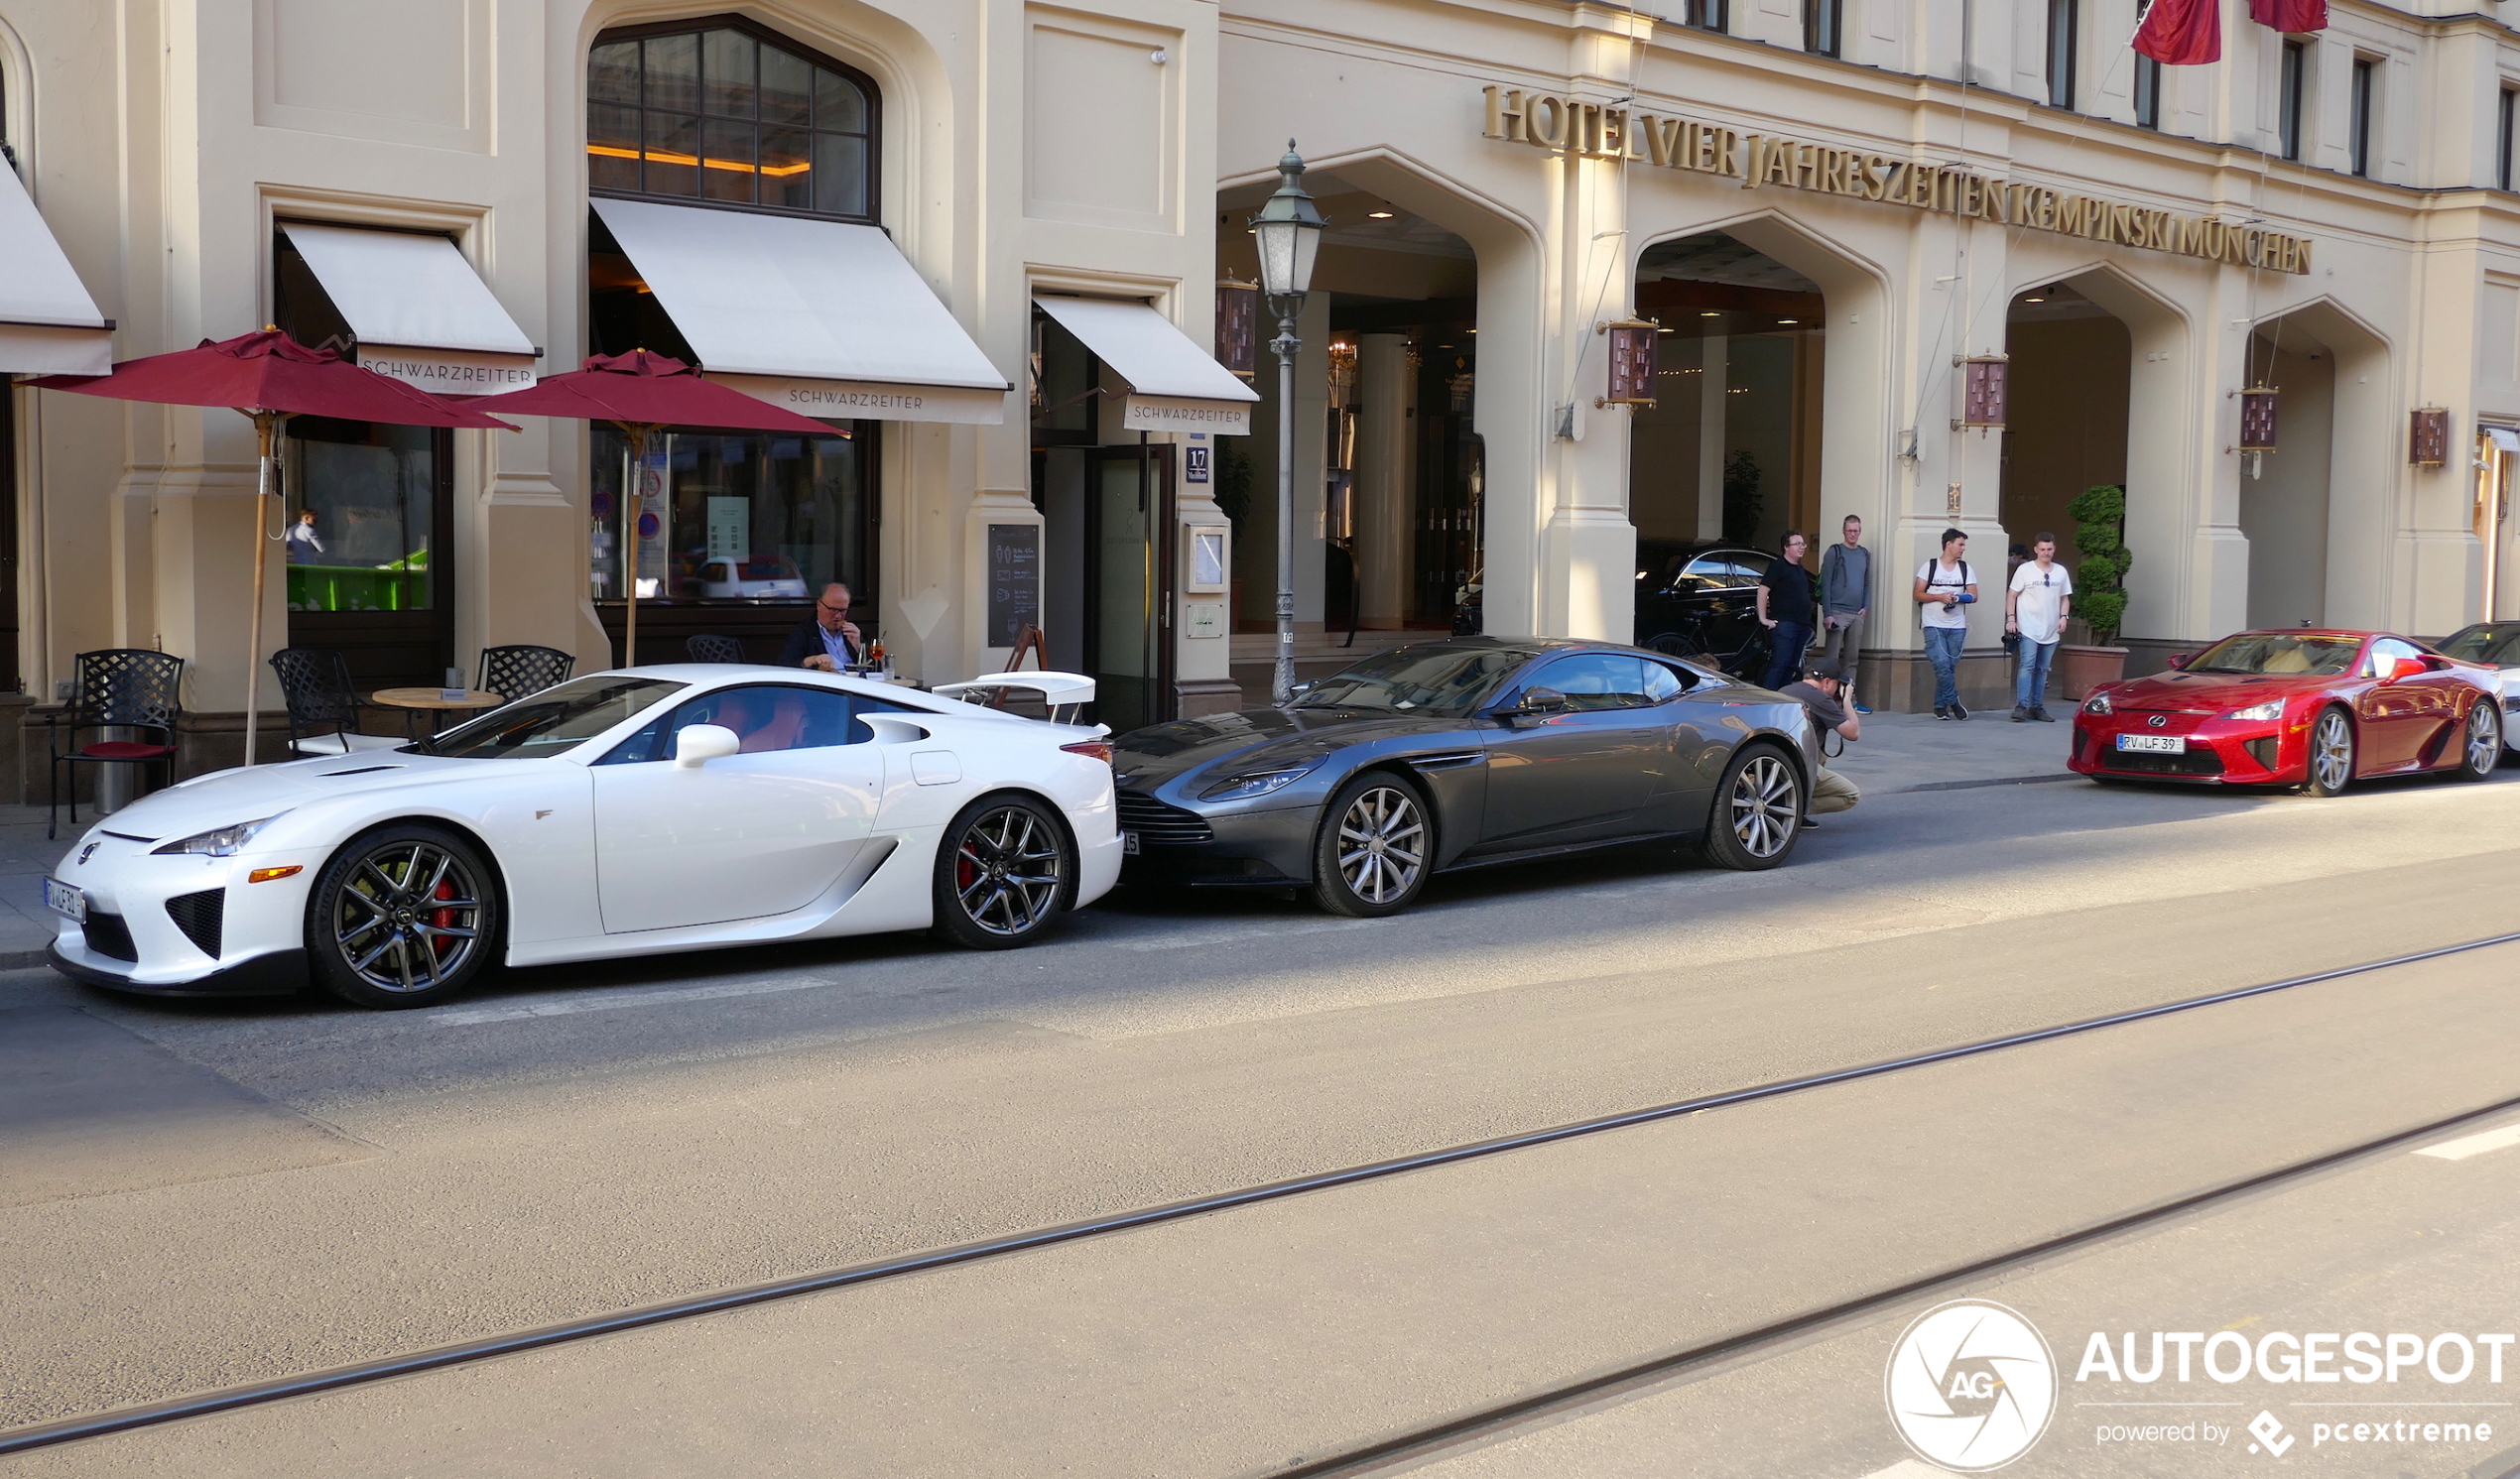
{"x":1942,"y":587}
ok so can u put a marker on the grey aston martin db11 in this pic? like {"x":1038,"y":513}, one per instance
{"x":1458,"y":753}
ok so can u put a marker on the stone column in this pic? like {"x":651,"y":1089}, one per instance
{"x":1386,"y":390}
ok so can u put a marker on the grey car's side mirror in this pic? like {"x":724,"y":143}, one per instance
{"x":1537,"y":701}
{"x":700,"y":744}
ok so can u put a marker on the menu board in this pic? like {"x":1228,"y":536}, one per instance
{"x":1015,"y":580}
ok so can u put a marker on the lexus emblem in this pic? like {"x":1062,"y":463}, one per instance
{"x":88,"y":851}
{"x":2158,"y":722}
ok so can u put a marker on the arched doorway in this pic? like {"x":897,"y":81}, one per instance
{"x":2065,"y":416}
{"x":2317,"y":513}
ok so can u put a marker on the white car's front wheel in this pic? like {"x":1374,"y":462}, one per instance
{"x":1004,"y":871}
{"x":402,"y":917}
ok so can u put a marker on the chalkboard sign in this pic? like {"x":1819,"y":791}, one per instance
{"x":1015,"y":580}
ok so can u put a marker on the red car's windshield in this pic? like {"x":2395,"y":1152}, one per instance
{"x":2277,"y":653}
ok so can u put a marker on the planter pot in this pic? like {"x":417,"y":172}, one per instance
{"x":2079,"y":670}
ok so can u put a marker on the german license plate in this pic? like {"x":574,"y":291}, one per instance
{"x":62,"y":898}
{"x":2154,"y":744}
{"x":1129,"y":843}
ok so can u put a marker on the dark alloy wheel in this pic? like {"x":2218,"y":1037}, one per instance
{"x":404,"y":916}
{"x":2330,"y":754}
{"x":1758,"y":811}
{"x":1375,"y":848}
{"x":1004,"y":871}
{"x":2480,"y":740}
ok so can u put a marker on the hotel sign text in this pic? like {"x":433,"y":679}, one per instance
{"x":1545,"y":120}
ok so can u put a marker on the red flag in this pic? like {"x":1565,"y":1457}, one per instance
{"x":2186,"y":32}
{"x":2296,"y":16}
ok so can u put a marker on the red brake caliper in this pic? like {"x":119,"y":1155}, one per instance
{"x":443,"y":919}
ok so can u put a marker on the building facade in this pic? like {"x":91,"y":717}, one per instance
{"x":982,"y":244}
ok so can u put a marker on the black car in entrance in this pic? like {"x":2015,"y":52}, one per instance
{"x":1462,"y":752}
{"x":1703,"y":600}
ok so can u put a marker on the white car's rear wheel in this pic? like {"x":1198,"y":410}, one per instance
{"x":402,"y":917}
{"x":1004,"y":871}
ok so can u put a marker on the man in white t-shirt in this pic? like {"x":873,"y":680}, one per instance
{"x":2041,"y":598}
{"x":1942,"y":587}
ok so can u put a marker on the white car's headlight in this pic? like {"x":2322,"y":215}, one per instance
{"x":2273,"y":708}
{"x":1253,"y":783}
{"x":2097,"y":704}
{"x":224,"y":842}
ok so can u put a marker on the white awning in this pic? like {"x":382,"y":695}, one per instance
{"x":49,"y":325}
{"x":825,"y":319}
{"x":1174,"y":385}
{"x":421,"y":314}
{"x":2505,"y":438}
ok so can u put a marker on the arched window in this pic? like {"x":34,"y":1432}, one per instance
{"x":724,"y":112}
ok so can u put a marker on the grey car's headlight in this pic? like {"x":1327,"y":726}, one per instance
{"x":1253,"y":783}
{"x":2273,"y":708}
{"x":224,"y":842}
{"x":2097,"y":704}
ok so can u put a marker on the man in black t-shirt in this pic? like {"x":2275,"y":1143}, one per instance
{"x":1785,"y":609}
{"x":1820,"y":694}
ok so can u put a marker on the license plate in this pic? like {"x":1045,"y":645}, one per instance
{"x":1129,"y":843}
{"x":2154,"y":744}
{"x":62,"y":898}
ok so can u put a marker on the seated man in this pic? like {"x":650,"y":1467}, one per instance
{"x":1818,"y":693}
{"x":827,"y":640}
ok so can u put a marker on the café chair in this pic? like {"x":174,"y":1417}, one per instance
{"x":324,"y":710}
{"x":514,"y":672}
{"x":707,"y":649}
{"x":117,"y":689}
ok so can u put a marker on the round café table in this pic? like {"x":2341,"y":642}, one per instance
{"x":416,"y":701}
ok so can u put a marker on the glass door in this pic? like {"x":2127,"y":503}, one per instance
{"x":370,"y":518}
{"x":1129,"y":583}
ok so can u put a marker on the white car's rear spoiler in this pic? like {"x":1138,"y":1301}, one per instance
{"x":1069,"y":691}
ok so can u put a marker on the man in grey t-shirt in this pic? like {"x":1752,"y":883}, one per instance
{"x":1846,"y":599}
{"x":1819,"y":694}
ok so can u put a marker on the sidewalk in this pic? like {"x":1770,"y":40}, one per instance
{"x":1919,"y":752}
{"x":26,"y":927}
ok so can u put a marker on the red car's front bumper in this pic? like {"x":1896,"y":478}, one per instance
{"x":2235,"y":752}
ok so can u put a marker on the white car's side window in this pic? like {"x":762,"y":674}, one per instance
{"x":767,"y":717}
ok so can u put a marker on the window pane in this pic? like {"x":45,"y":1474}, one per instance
{"x":727,"y":174}
{"x":787,"y":168}
{"x":769,"y":717}
{"x":612,"y":73}
{"x":840,"y":173}
{"x":838,"y":104}
{"x":787,"y":87}
{"x":612,"y":147}
{"x":673,"y":145}
{"x":726,"y":71}
{"x":673,"y":73}
{"x":373,"y":502}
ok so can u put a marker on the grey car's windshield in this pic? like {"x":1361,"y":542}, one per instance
{"x":1434,"y":681}
{"x":555,"y":720}
{"x":2277,"y":653}
{"x":2498,"y":644}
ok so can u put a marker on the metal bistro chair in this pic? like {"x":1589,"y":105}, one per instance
{"x":707,"y":649}
{"x":117,"y":689}
{"x":324,"y":710}
{"x":514,"y":672}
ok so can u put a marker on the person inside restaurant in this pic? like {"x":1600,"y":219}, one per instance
{"x":827,"y":640}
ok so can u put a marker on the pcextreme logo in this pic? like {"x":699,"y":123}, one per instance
{"x":1972,"y":1386}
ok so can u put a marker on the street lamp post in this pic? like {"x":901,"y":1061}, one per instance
{"x":1289,"y":228}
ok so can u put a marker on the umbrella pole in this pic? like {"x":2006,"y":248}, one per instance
{"x":264,"y":420}
{"x":630,"y":488}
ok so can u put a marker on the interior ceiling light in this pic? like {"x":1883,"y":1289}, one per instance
{"x":1789,"y":321}
{"x":1378,"y":215}
{"x":2033,"y":298}
{"x":1710,"y":314}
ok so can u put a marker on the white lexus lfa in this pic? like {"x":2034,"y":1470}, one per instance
{"x":630,"y":812}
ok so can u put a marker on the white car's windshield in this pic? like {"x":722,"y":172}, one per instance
{"x":553,"y":721}
{"x":2496,"y":642}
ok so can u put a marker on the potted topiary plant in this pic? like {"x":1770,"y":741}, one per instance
{"x":2099,"y":592}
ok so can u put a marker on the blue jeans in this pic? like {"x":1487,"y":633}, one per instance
{"x":1790,"y":637}
{"x":1942,"y":649}
{"x":2030,"y":687}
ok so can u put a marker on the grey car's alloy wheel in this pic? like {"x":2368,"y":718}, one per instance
{"x":2480,"y":740}
{"x":2330,"y":754}
{"x":1375,"y":846}
{"x":1758,"y":810}
{"x":402,"y":917}
{"x":1003,"y":873}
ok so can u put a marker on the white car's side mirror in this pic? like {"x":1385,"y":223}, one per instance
{"x":701,"y":743}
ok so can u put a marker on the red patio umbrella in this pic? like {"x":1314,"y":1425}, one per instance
{"x":640,"y":391}
{"x":269,"y":377}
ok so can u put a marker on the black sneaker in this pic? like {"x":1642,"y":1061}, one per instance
{"x":1810,"y":825}
{"x":1958,"y":712}
{"x":2020,"y":716}
{"x":1942,"y":712}
{"x":2041,"y":714}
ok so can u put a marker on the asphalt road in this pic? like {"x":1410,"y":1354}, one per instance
{"x":206,"y":1195}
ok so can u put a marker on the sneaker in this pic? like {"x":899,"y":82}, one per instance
{"x":1810,"y":825}
{"x":2020,"y":716}
{"x":2040,"y":714}
{"x":1942,"y":712}
{"x":1862,"y":709}
{"x":1958,"y":713}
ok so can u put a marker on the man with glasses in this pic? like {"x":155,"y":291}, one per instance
{"x":827,"y":640}
{"x":2040,"y":597}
